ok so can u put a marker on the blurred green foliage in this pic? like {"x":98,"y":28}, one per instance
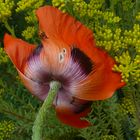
{"x":116,"y":27}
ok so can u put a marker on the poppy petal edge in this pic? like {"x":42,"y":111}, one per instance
{"x":18,"y":51}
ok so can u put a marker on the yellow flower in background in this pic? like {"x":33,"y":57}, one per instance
{"x":6,"y":7}
{"x":29,"y":32}
{"x":6,"y":129}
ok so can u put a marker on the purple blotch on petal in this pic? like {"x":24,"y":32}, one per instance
{"x":83,"y":60}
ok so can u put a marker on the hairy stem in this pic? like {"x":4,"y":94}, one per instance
{"x":43,"y":112}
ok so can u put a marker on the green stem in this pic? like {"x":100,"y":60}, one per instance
{"x":43,"y":112}
{"x":7,"y":26}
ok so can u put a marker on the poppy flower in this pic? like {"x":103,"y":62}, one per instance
{"x":67,"y":54}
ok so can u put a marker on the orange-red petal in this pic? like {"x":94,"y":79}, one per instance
{"x":18,"y":51}
{"x":60,"y":27}
{"x":73,"y":119}
{"x":64,"y":28}
{"x":102,"y":82}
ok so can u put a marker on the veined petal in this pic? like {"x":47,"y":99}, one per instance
{"x":102,"y":82}
{"x":40,"y":90}
{"x":18,"y":51}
